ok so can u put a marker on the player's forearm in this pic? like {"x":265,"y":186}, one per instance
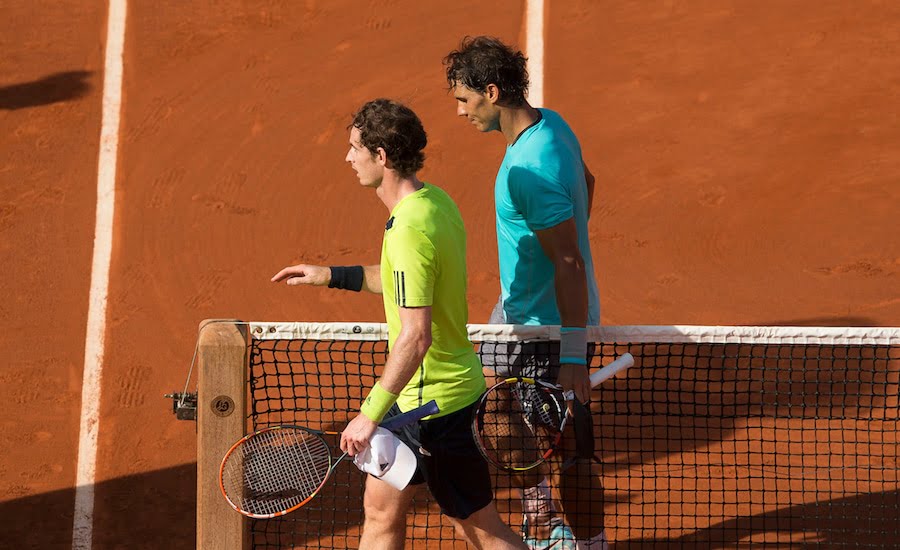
{"x":571,"y":291}
{"x":372,"y":278}
{"x":407,"y":353}
{"x":560,"y":244}
{"x":572,"y":301}
{"x":405,"y":357}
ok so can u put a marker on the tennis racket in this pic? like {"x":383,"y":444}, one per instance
{"x":276,"y":470}
{"x":520,"y":421}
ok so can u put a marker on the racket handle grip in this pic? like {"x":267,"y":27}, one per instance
{"x":411,"y":417}
{"x":602,"y":375}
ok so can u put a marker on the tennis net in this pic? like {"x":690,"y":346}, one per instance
{"x":718,"y":437}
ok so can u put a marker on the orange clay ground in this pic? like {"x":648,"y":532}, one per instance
{"x":747,"y":159}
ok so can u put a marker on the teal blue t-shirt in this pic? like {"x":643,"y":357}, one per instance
{"x":540,"y":184}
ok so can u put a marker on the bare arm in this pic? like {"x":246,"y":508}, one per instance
{"x":409,"y":349}
{"x":404,"y":358}
{"x":590,"y":180}
{"x":317,"y":275}
{"x":372,"y":280}
{"x":560,"y":244}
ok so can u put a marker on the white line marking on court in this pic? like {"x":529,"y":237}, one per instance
{"x":534,"y":46}
{"x":82,"y":527}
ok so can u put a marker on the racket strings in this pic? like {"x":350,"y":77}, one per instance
{"x":276,"y":470}
{"x":518,"y":423}
{"x":541,"y":407}
{"x":294,"y":458}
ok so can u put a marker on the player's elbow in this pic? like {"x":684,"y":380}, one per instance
{"x":569,"y":260}
{"x":415,"y":332}
{"x":419,"y":340}
{"x":422,"y":343}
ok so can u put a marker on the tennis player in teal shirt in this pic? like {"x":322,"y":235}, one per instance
{"x":540,"y":185}
{"x":542,"y":195}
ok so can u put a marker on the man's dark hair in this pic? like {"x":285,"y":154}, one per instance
{"x":395,"y":128}
{"x":483,"y":60}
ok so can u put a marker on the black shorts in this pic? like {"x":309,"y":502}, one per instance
{"x":449,"y":462}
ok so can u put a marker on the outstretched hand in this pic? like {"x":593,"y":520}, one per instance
{"x":303,"y":274}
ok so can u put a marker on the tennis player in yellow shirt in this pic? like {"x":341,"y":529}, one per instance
{"x":422,"y":277}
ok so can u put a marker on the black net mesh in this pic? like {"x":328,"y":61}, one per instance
{"x":719,"y":445}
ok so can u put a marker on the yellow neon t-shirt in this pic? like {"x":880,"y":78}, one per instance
{"x":423,"y":263}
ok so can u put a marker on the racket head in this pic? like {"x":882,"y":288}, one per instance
{"x":519,"y":423}
{"x":274,"y":471}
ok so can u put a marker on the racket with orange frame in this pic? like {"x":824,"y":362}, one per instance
{"x":276,"y":470}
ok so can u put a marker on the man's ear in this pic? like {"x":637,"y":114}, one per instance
{"x":381,"y":155}
{"x":492,"y":93}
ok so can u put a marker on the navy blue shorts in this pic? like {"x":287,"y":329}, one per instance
{"x":449,"y":462}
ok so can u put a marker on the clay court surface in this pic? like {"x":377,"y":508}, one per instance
{"x":747,"y":157}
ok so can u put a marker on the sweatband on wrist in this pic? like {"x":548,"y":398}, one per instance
{"x":377,"y":403}
{"x":347,"y":277}
{"x":573,"y":346}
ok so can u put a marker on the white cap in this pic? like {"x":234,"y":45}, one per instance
{"x":388,"y":459}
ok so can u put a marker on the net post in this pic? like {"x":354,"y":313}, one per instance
{"x":223,"y":357}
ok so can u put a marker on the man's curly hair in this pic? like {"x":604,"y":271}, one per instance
{"x":483,"y":60}
{"x":395,"y":128}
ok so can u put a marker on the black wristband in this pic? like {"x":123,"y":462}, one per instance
{"x":347,"y":277}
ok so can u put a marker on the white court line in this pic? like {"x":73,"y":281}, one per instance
{"x":82,"y":527}
{"x":534,"y":46}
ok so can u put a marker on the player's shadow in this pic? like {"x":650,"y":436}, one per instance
{"x":699,"y":429}
{"x":692,"y":395}
{"x":867,"y":520}
{"x":54,"y":88}
{"x":143,"y":511}
{"x":334,"y":518}
{"x":158,"y":509}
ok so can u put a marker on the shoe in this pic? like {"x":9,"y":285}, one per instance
{"x":561,"y":538}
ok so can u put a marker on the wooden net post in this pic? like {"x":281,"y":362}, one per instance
{"x":223,"y":360}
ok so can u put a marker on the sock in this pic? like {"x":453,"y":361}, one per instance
{"x":537,"y":505}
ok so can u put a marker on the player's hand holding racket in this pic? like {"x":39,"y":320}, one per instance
{"x":520,"y":421}
{"x":278,"y":469}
